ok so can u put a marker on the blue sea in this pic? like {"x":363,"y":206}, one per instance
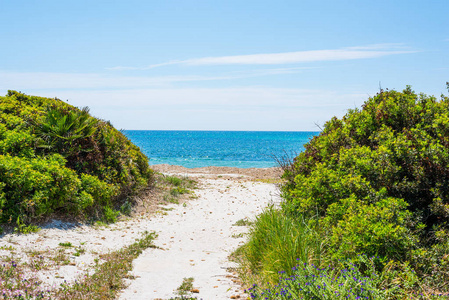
{"x":243,"y":149}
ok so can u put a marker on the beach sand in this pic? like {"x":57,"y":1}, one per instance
{"x":250,"y":173}
{"x":194,"y":239}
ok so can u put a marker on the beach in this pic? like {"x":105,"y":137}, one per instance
{"x":194,"y":239}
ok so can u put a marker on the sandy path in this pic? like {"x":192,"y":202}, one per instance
{"x":196,"y":240}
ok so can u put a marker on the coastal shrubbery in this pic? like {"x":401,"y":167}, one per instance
{"x":55,"y":158}
{"x":375,"y":182}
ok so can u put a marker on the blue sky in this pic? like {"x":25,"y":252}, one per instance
{"x":222,"y":65}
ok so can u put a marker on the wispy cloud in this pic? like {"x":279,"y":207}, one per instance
{"x":350,"y":53}
{"x":154,"y":103}
{"x":45,"y":80}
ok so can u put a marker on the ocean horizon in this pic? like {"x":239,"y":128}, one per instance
{"x":202,"y":148}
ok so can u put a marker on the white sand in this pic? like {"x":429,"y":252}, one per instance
{"x":194,"y":241}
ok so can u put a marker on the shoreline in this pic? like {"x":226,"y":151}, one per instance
{"x":255,"y":173}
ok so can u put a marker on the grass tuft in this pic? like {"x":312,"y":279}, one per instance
{"x":242,"y":222}
{"x":174,"y":187}
{"x":275,"y":241}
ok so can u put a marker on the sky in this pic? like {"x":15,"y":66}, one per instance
{"x":222,"y":65}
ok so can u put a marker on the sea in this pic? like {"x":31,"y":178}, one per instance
{"x":242,"y":149}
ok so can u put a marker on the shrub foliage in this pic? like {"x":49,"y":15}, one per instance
{"x":55,"y":158}
{"x":377,"y":181}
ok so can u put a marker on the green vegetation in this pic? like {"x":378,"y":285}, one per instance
{"x":20,"y":280}
{"x":372,"y":184}
{"x":311,"y":282}
{"x":57,"y":159}
{"x":275,"y":242}
{"x":173,"y":187}
{"x":242,"y":222}
{"x":109,"y":276}
{"x":185,"y":287}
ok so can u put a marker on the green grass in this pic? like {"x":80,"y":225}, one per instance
{"x":185,"y":287}
{"x":184,"y":290}
{"x":242,"y":222}
{"x":275,"y":242}
{"x":174,"y":187}
{"x":284,"y":256}
{"x":173,"y":180}
{"x":79,"y":251}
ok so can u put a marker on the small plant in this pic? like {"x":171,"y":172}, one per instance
{"x":126,"y":208}
{"x":110,"y":215}
{"x":66,"y":244}
{"x":173,"y":180}
{"x":173,"y":188}
{"x":38,"y":263}
{"x":60,"y":257}
{"x":173,"y":200}
{"x":242,"y":222}
{"x":185,"y":287}
{"x":25,"y":229}
{"x":79,"y":251}
{"x":193,"y":196}
{"x":7,"y":248}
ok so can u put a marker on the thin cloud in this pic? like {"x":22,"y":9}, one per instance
{"x":350,"y":53}
{"x":43,"y":80}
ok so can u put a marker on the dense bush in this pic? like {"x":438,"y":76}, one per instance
{"x":57,"y":158}
{"x":377,"y":182}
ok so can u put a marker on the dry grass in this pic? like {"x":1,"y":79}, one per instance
{"x":20,"y":281}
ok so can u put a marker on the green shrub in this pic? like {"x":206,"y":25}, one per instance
{"x":101,"y":191}
{"x":19,"y":143}
{"x":377,"y":181}
{"x":57,"y":158}
{"x":375,"y":229}
{"x":110,"y":215}
{"x":36,"y":187}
